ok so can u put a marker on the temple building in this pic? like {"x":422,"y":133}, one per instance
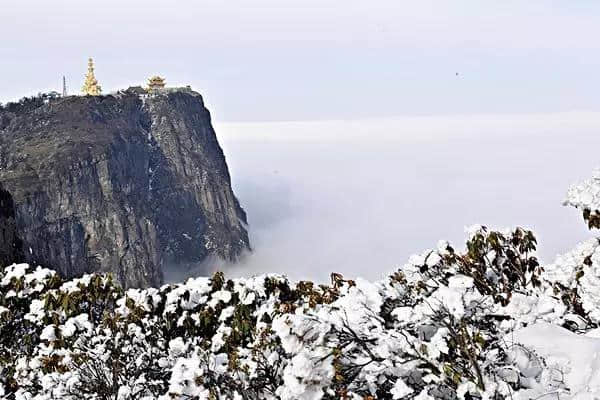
{"x":155,"y":83}
{"x":90,"y":86}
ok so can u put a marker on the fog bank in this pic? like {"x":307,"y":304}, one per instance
{"x":359,"y":197}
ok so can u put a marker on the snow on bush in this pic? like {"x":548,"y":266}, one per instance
{"x":447,"y":325}
{"x":586,"y":196}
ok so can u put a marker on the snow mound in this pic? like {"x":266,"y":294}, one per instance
{"x":573,"y":359}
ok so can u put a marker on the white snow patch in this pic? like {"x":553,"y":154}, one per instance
{"x":578,"y":355}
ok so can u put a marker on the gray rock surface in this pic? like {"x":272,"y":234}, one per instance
{"x":120,"y":183}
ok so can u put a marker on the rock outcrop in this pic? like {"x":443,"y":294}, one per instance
{"x":124,"y":184}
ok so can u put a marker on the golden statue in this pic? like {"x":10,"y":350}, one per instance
{"x":156,"y":82}
{"x":91,"y":87}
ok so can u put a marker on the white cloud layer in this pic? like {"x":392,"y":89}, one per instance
{"x":359,"y":197}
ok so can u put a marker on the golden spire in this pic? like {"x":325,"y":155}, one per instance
{"x":90,"y":86}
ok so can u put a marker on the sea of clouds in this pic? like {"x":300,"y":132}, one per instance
{"x":359,"y":197}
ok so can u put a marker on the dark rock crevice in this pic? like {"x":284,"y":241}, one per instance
{"x":11,"y":246}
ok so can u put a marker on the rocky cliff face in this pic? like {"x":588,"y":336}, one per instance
{"x":120,"y":183}
{"x":10,"y":244}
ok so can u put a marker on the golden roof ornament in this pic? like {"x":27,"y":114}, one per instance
{"x":90,"y":86}
{"x":155,"y":83}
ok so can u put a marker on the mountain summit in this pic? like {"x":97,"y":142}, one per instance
{"x":128,"y":184}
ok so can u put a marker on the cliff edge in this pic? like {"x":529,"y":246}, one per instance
{"x":128,"y":184}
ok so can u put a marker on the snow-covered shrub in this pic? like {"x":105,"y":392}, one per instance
{"x":441,"y":327}
{"x":585,"y":196}
{"x":433,"y":329}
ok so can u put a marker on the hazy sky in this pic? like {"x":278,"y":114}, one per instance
{"x":265,"y":60}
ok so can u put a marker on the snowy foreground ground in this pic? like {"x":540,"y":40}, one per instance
{"x":488,"y":322}
{"x":576,"y":358}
